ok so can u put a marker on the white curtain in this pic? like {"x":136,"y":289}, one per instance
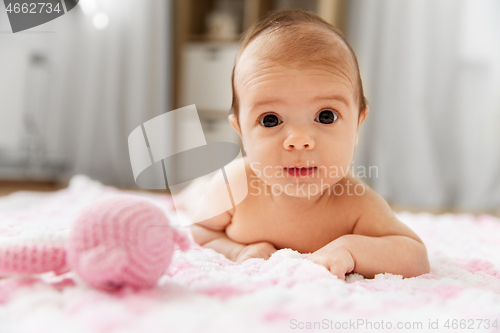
{"x":119,"y":78}
{"x":103,"y":82}
{"x":431,"y":71}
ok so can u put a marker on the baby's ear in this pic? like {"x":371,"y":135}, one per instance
{"x":234,"y":122}
{"x":362,"y":115}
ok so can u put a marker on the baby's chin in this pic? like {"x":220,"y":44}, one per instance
{"x":298,"y":187}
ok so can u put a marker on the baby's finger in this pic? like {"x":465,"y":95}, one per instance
{"x":338,"y":272}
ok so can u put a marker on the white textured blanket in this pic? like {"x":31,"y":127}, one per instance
{"x":202,"y":291}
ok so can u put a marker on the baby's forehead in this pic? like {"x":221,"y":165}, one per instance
{"x":304,"y":44}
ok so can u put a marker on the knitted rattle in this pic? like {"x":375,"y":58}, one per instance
{"x":116,"y":242}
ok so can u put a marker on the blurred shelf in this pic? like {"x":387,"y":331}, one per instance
{"x":206,"y":76}
{"x":10,"y":186}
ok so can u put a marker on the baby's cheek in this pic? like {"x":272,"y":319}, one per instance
{"x":259,"y":153}
{"x":337,"y":165}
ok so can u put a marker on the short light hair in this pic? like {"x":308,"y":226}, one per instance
{"x":289,"y":42}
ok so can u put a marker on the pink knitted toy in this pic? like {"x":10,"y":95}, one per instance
{"x":116,"y":242}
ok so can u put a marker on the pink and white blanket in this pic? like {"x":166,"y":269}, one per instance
{"x":202,"y":291}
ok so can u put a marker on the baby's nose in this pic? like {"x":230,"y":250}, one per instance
{"x":298,"y":141}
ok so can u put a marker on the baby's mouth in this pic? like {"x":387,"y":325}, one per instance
{"x":300,"y":171}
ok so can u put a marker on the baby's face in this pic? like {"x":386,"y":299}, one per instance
{"x":297,"y":117}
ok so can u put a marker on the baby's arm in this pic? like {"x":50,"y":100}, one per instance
{"x":379,"y":243}
{"x":210,"y":233}
{"x":218,"y":241}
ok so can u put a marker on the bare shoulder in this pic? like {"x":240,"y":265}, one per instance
{"x":212,"y":192}
{"x":234,"y":167}
{"x":375,"y":216}
{"x":253,"y":183}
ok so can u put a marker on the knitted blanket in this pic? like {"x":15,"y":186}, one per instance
{"x":202,"y":291}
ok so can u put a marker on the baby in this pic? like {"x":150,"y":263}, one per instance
{"x":298,"y":104}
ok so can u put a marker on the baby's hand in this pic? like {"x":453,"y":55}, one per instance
{"x":335,"y":258}
{"x":257,"y":250}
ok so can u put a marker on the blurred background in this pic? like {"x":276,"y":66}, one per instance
{"x":73,"y":89}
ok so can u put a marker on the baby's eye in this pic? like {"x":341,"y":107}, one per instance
{"x":326,"y":117}
{"x":270,"y":120}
